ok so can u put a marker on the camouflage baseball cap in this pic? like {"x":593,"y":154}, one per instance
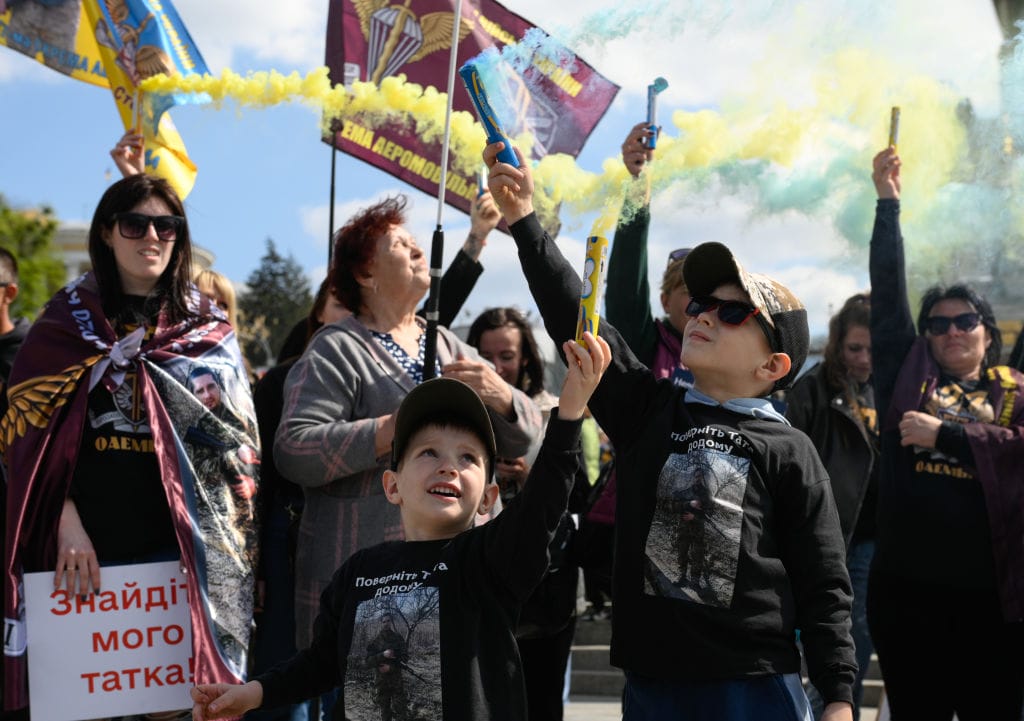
{"x":709,"y":265}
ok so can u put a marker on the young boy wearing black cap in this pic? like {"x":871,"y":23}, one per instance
{"x":727,"y":537}
{"x":423,"y":628}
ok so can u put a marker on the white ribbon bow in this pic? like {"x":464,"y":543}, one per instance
{"x":120,"y":357}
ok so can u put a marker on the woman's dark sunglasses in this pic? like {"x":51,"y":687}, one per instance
{"x":678,"y":254}
{"x":134,"y":225}
{"x":940,"y":324}
{"x":730,"y":312}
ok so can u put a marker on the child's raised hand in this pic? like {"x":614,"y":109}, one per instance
{"x":511,"y":187}
{"x":225,"y":700}
{"x":586,"y":366}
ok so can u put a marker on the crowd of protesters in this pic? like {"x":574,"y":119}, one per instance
{"x":882,"y":512}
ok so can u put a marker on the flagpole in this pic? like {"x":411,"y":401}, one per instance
{"x":437,"y":242}
{"x":330,"y":221}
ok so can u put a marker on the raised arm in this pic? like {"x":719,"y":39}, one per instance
{"x":526,"y":526}
{"x":555,"y":287}
{"x":465,"y":269}
{"x":628,"y":291}
{"x":892,"y":325}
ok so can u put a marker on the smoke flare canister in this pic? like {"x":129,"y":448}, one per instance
{"x":894,"y":127}
{"x":478,"y":94}
{"x":593,"y":286}
{"x":659,"y":85}
{"x":481,"y":180}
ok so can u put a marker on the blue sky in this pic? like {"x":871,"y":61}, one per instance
{"x":264,"y":173}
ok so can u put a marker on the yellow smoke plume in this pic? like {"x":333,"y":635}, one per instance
{"x":843,"y":124}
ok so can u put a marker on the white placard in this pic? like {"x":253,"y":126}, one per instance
{"x":127,"y":651}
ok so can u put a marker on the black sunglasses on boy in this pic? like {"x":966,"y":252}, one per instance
{"x":731,"y":312}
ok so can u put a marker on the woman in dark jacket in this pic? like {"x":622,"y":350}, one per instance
{"x":834,"y":404}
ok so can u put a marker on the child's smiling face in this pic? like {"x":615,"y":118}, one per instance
{"x":441,"y":483}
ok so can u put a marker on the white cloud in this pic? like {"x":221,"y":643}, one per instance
{"x":805,"y":254}
{"x":278,"y":33}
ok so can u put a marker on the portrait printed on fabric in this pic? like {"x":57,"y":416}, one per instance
{"x":209,"y":404}
{"x":694,"y":543}
{"x":394,"y":663}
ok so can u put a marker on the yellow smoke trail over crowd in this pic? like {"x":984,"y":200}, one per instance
{"x":794,"y":156}
{"x":395,"y":99}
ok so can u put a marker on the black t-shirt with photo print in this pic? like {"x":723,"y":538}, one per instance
{"x":425,"y":629}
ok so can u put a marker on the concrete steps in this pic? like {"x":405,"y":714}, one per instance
{"x":873,"y":684}
{"x":592,"y":674}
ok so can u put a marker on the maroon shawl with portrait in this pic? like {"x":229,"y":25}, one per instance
{"x":208,"y":462}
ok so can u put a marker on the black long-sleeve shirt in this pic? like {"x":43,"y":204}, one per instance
{"x":708,"y":593}
{"x":456,"y":600}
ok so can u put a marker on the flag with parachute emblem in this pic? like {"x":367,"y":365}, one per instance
{"x":369,"y":40}
{"x":115,"y":44}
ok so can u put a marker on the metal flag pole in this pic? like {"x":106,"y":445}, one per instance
{"x":330,"y":221}
{"x":437,"y":242}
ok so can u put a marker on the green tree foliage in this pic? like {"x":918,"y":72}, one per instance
{"x":278,"y":296}
{"x":28,"y":234}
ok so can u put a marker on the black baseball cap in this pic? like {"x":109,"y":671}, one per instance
{"x":442,"y":399}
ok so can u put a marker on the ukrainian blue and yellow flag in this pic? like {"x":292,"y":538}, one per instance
{"x":115,"y":44}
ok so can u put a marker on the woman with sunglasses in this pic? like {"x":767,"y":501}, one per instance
{"x":112,"y":458}
{"x":946,"y":592}
{"x":657,"y":342}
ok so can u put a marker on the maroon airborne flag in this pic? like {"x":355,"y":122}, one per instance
{"x":368,"y":40}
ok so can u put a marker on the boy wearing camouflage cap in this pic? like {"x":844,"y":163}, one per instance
{"x":727,"y":537}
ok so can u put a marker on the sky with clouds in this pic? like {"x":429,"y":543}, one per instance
{"x":264,"y":173}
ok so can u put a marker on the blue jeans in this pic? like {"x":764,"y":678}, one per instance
{"x":765,"y":698}
{"x":858,"y":563}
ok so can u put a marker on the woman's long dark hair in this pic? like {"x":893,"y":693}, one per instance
{"x":174,"y":286}
{"x":531,"y":375}
{"x":856,"y":311}
{"x":967,"y":294}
